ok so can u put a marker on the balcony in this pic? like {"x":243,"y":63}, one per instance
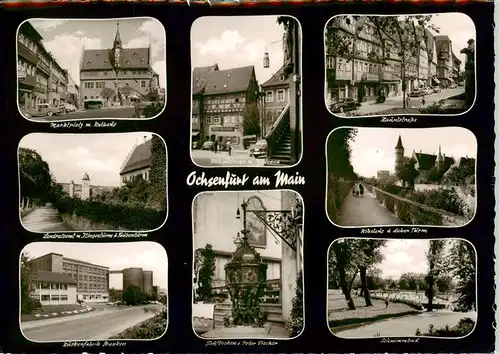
{"x":29,"y":80}
{"x":43,"y":67}
{"x":367,"y":77}
{"x":41,"y":88}
{"x":27,"y":54}
{"x":336,"y":75}
{"x":390,"y":76}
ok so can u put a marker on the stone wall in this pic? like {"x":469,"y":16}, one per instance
{"x":462,"y":192}
{"x":77,"y":223}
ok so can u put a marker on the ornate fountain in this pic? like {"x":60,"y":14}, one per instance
{"x":245,"y":281}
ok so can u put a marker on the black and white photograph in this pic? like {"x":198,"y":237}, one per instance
{"x":392,"y":177}
{"x":400,"y":64}
{"x":77,"y":69}
{"x":96,"y":182}
{"x":248,"y":264}
{"x":93,"y":291}
{"x":402,"y":288}
{"x":246,"y":91}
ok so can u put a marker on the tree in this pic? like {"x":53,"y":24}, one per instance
{"x":444,"y":284}
{"x":461,"y":176}
{"x":133,"y":295}
{"x":205,"y":274}
{"x":398,"y":40}
{"x":462,"y":266}
{"x":157,"y":175}
{"x":339,"y":152}
{"x":333,"y":274}
{"x":435,"y":174}
{"x":107,"y":93}
{"x":406,"y":172}
{"x":341,"y":251}
{"x":35,"y":177}
{"x":28,"y":303}
{"x":115,"y":295}
{"x":367,"y":256}
{"x":412,"y":281}
{"x":251,"y":119}
{"x":297,"y":314}
{"x":435,"y":260}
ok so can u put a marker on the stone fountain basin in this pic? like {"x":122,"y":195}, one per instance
{"x":239,"y":332}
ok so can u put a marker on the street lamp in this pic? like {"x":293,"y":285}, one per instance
{"x":266,"y":60}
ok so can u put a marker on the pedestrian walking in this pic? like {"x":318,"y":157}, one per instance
{"x":386,"y":303}
{"x":408,"y":101}
{"x":361,"y":190}
{"x":228,"y":146}
{"x":216,"y":146}
{"x":423,"y":101}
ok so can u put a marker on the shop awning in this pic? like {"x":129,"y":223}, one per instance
{"x":195,"y":133}
{"x":436,"y":80}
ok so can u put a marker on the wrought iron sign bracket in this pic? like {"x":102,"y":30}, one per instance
{"x":281,"y":223}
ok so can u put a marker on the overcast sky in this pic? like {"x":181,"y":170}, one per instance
{"x":117,"y":256}
{"x":373,"y":148}
{"x":65,"y":39}
{"x":70,"y":156}
{"x":235,"y":41}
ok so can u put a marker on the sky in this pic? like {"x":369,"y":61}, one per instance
{"x":236,"y":41}
{"x":373,"y":148}
{"x":65,"y":39}
{"x":117,"y":256}
{"x":459,"y":28}
{"x":70,"y":156}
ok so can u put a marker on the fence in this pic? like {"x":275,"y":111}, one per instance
{"x":414,"y":213}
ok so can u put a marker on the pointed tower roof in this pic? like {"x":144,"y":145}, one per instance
{"x":118,"y":41}
{"x":399,"y":145}
{"x":440,"y":156}
{"x":86,"y":177}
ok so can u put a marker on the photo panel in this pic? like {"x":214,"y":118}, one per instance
{"x":93,"y":291}
{"x":92,"y":182}
{"x":246,"y":91}
{"x":402,"y":288}
{"x":398,"y":177}
{"x":422,"y":64}
{"x":82,"y":69}
{"x":248,"y":265}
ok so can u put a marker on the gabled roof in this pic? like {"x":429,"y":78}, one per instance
{"x":425,"y":161}
{"x":276,"y":79}
{"x":52,"y":277}
{"x":139,"y":159}
{"x":102,"y":59}
{"x":200,"y":77}
{"x":230,"y":80}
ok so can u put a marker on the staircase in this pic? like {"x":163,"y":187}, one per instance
{"x":279,"y":140}
{"x":274,"y":313}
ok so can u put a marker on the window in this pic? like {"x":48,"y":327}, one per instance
{"x":217,"y":120}
{"x":45,"y":286}
{"x":235,"y":140}
{"x":64,"y":287}
{"x":143,"y":83}
{"x":54,"y":297}
{"x":64,"y":297}
{"x":269,"y":96}
{"x":330,"y":64}
{"x":281,"y":95}
{"x":54,"y":286}
{"x":99,"y":84}
{"x":208,"y":120}
{"x":45,"y":297}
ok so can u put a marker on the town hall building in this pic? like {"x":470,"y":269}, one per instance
{"x":117,"y":76}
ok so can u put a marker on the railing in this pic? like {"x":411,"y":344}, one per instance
{"x":44,"y":67}
{"x":280,"y":127}
{"x":414,"y":213}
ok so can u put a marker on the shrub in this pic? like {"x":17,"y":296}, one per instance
{"x":119,"y":216}
{"x":296,"y":323}
{"x":28,"y":305}
{"x":435,"y":108}
{"x":153,"y":109}
{"x":413,"y":304}
{"x":149,"y":329}
{"x":463,"y":328}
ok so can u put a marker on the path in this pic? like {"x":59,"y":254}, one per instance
{"x":97,"y":325}
{"x":44,"y":219}
{"x":408,"y":325}
{"x":365,"y":211}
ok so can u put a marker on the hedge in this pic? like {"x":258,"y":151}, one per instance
{"x":153,"y":328}
{"x":463,"y":328}
{"x":119,"y":216}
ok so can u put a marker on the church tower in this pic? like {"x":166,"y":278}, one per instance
{"x":85,"y":187}
{"x":71,"y":189}
{"x":399,"y":151}
{"x":440,"y":159}
{"x":117,"y":46}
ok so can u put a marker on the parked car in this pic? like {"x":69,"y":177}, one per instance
{"x":93,"y":104}
{"x":417,"y":93}
{"x":67,"y":108}
{"x":452,"y":86}
{"x":41,"y":110}
{"x":428,"y":90}
{"x":195,"y":145}
{"x":344,"y":105}
{"x":258,"y":149}
{"x":207,"y":145}
{"x":436,"y":89}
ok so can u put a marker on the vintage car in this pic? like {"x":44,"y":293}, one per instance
{"x":344,"y":105}
{"x":207,"y":145}
{"x":259,"y":149}
{"x":41,"y":110}
{"x":417,"y":93}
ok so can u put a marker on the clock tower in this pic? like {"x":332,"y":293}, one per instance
{"x":117,"y":45}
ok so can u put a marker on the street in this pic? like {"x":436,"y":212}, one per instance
{"x":108,"y":112}
{"x":222,"y":159}
{"x":44,"y":219}
{"x":103,"y":323}
{"x":395,"y":105}
{"x":407,"y":326}
{"x":365,"y":211}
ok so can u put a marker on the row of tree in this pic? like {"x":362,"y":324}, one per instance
{"x":451,"y":266}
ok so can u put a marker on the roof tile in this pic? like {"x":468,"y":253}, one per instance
{"x":140,"y":158}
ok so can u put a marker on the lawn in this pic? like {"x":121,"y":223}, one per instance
{"x":340,"y":316}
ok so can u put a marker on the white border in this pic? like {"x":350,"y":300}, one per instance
{"x":95,"y":231}
{"x":381,"y":114}
{"x":397,"y":225}
{"x":401,"y":239}
{"x":301,"y":101}
{"x":302,"y":265}
{"x":96,"y":340}
{"x":91,"y":19}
